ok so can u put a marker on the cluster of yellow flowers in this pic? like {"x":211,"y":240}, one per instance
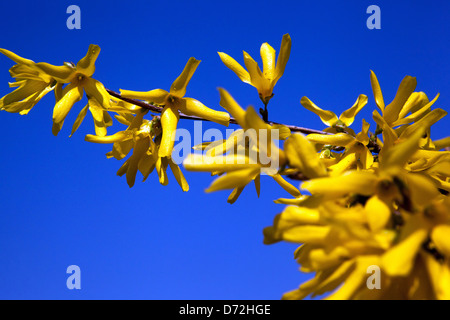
{"x":368,"y":199}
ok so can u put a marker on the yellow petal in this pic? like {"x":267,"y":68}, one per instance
{"x":399,"y":154}
{"x":24,"y":106}
{"x":268,"y":59}
{"x":72,"y":94}
{"x":363,"y":136}
{"x":62,"y":73}
{"x":348,"y":116}
{"x":140,"y":148}
{"x":235,"y":179}
{"x":283,"y":131}
{"x":234,"y":195}
{"x":363,"y":183}
{"x":338,"y":139}
{"x":378,"y":213}
{"x":301,"y":154}
{"x":346,"y":163}
{"x":389,"y":135}
{"x":414,"y":103}
{"x":98,"y":116}
{"x":416,"y":115}
{"x":122,"y":146}
{"x":178,"y":87}
{"x":87,"y":64}
{"x":425,"y":123}
{"x":399,"y":260}
{"x":439,"y":275}
{"x":286,"y":185}
{"x":441,"y":238}
{"x":310,"y":234}
{"x":377,"y":91}
{"x":194,"y":107}
{"x":169,"y":121}
{"x":179,"y":176}
{"x":14,"y":57}
{"x":256,"y":75}
{"x":161,"y":168}
{"x":79,"y":120}
{"x":227,"y":102}
{"x":422,"y":189}
{"x":117,"y":137}
{"x":404,"y":91}
{"x":25,"y":90}
{"x":96,"y":90}
{"x":235,"y":67}
{"x":327,"y":117}
{"x":147,"y":164}
{"x":283,"y":57}
{"x":156,"y":96}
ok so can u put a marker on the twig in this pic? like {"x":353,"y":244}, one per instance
{"x":184,"y":116}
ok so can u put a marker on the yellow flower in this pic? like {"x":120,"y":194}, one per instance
{"x":79,"y":79}
{"x":263,"y":81}
{"x":68,"y":81}
{"x":330,"y":119}
{"x":175,"y":102}
{"x":31,"y":85}
{"x":240,"y":162}
{"x":144,"y":138}
{"x":356,"y":155}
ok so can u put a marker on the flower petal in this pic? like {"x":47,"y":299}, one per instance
{"x":377,"y":91}
{"x":193,"y":107}
{"x":235,"y":67}
{"x":441,"y":238}
{"x":169,"y":121}
{"x":72,"y":94}
{"x":234,"y":195}
{"x":399,"y":260}
{"x":14,"y":57}
{"x":302,"y":155}
{"x":348,"y":116}
{"x":178,"y":87}
{"x":64,"y":73}
{"x":283,"y":57}
{"x":229,"y":104}
{"x":404,"y":91}
{"x":268,"y":59}
{"x":378,"y":213}
{"x":156,"y":96}
{"x":96,"y":90}
{"x":363,"y":183}
{"x":256,"y":75}
{"x":179,"y":176}
{"x":327,"y":117}
{"x":235,"y":179}
{"x":338,"y":139}
{"x":117,"y":137}
{"x":87,"y":64}
{"x":286,"y":185}
{"x":79,"y":120}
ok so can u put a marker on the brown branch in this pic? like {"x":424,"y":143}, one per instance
{"x":184,"y":116}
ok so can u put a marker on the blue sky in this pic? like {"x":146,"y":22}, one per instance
{"x":61,"y":202}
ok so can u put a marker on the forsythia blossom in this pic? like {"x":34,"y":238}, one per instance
{"x":174,"y":102}
{"x":263,"y":81}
